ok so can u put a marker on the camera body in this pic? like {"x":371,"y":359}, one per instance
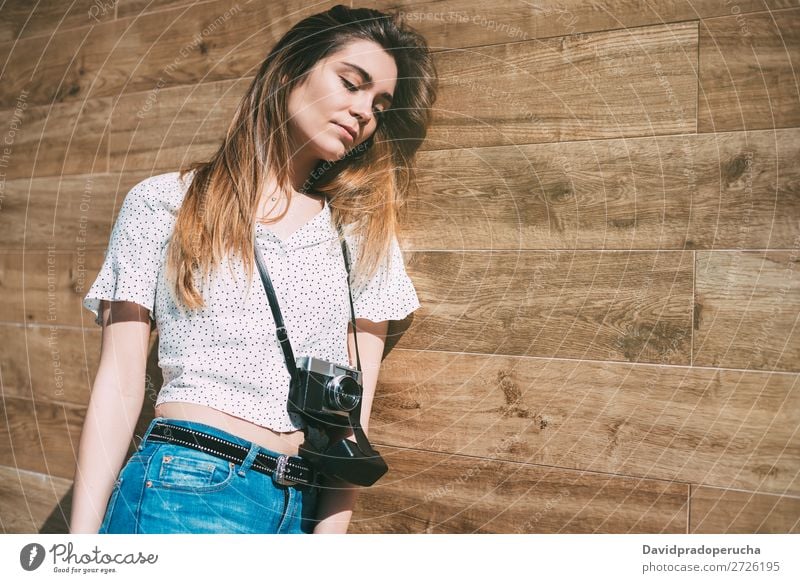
{"x":325,"y":392}
{"x":329,"y":395}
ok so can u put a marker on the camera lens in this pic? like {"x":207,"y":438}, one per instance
{"x":343,"y":393}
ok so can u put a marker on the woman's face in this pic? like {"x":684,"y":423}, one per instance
{"x":338,"y":94}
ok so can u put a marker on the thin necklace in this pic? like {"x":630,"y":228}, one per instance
{"x":274,"y":198}
{"x":262,"y":219}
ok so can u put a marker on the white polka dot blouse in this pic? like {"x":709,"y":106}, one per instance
{"x":226,"y":355}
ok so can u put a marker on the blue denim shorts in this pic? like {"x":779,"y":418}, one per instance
{"x":170,"y":488}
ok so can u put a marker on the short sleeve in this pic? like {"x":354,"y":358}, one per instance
{"x":130,"y":268}
{"x":390,"y":293}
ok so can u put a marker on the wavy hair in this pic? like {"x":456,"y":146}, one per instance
{"x":366,"y":189}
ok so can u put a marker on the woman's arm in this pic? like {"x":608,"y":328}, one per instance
{"x":114,"y":407}
{"x":337,"y":498}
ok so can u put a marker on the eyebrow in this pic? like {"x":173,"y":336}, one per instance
{"x":368,"y":78}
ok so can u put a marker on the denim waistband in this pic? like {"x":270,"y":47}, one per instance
{"x":253,"y":450}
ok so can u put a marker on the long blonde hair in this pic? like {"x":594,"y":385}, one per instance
{"x":366,"y":189}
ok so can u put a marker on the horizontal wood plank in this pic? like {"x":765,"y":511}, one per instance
{"x":727,"y":190}
{"x":507,"y":303}
{"x":470,"y":23}
{"x":717,"y":511}
{"x":32,"y":502}
{"x":185,"y":45}
{"x":70,"y":213}
{"x":568,"y":88}
{"x":624,"y":306}
{"x":44,"y":437}
{"x":746,"y":309}
{"x":59,"y":364}
{"x":735,"y":190}
{"x":723,"y":428}
{"x":472,"y":20}
{"x":49,"y":363}
{"x":137,"y":8}
{"x":177,"y":125}
{"x":46,"y":17}
{"x":746,"y":65}
{"x":48,"y":288}
{"x":40,"y":436}
{"x":54,"y":140}
{"x":426,"y":492}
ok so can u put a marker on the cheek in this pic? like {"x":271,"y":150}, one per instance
{"x":306,"y":119}
{"x":325,"y":97}
{"x":296,"y":110}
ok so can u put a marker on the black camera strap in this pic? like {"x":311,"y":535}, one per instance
{"x":283,"y":337}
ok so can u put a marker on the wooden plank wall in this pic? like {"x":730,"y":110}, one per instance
{"x":604,"y":246}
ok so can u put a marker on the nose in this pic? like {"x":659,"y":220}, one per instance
{"x":362,"y":110}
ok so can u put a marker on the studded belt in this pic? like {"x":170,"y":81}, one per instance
{"x":286,"y":470}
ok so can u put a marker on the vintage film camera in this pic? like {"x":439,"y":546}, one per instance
{"x":325,"y":391}
{"x":329,"y":396}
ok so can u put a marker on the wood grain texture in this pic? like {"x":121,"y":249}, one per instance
{"x":46,"y":17}
{"x":58,"y":68}
{"x":185,"y":45}
{"x":427,"y":492}
{"x":467,"y":23}
{"x":605,"y":85}
{"x":49,"y":364}
{"x":73,"y":212}
{"x":173,"y":126}
{"x":725,"y":190}
{"x":746,"y":310}
{"x":58,"y":364}
{"x":716,"y":511}
{"x":456,"y":21}
{"x":731,"y":429}
{"x":47,"y":288}
{"x":517,"y":93}
{"x":32,"y":502}
{"x":43,"y":436}
{"x":747,"y":65}
{"x":137,"y":8}
{"x":40,"y":436}
{"x":68,"y":138}
{"x":624,"y":306}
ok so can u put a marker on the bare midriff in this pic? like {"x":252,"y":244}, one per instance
{"x":287,"y":443}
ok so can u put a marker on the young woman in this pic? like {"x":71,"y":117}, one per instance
{"x":325,"y":137}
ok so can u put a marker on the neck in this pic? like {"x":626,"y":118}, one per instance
{"x":301,"y":163}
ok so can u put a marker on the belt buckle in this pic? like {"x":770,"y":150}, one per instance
{"x":280,"y":470}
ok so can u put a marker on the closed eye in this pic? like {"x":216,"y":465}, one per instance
{"x":352,"y":89}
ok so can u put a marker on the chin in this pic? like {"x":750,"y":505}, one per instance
{"x":335,"y":154}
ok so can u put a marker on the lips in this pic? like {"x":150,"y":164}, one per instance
{"x":348,"y":131}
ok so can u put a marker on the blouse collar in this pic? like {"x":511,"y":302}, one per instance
{"x":316,"y":230}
